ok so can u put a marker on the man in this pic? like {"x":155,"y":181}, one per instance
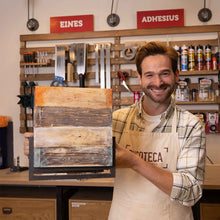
{"x":160,"y":155}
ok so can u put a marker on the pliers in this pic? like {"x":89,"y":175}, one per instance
{"x":122,"y":76}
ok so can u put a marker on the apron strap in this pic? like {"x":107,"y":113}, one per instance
{"x":174,"y":121}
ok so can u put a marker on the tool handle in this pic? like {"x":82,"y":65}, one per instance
{"x":57,"y":79}
{"x":69,"y":72}
{"x":81,"y":80}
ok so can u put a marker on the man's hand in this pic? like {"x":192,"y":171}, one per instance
{"x":160,"y":178}
{"x":125,"y":158}
{"x":26,"y":142}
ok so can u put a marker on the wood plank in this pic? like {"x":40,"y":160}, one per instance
{"x":72,"y":136}
{"x":71,"y":116}
{"x":73,"y":157}
{"x":73,"y":97}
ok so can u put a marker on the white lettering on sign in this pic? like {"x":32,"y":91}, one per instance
{"x":160,"y":18}
{"x":69,"y":24}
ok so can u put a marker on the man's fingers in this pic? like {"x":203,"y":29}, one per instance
{"x":28,"y":134}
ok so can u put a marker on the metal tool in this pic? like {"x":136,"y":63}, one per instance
{"x":59,"y":65}
{"x":32,"y":85}
{"x":122,"y":76}
{"x":108,"y":65}
{"x":71,"y":59}
{"x":97,"y":63}
{"x":102,"y":65}
{"x":81,"y":59}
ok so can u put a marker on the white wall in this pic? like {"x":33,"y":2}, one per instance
{"x":13,"y":24}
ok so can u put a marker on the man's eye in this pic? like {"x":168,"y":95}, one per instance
{"x":148,"y":75}
{"x":165,"y":73}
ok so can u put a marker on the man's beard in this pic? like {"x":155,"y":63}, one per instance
{"x":154,"y":98}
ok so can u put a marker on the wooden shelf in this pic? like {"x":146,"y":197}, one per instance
{"x":199,"y":73}
{"x":117,"y":61}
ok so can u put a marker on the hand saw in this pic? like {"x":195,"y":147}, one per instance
{"x":71,"y":59}
{"x":59,"y":65}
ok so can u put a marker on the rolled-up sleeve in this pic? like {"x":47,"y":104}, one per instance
{"x":188,"y":180}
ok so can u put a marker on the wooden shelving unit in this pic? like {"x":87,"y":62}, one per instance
{"x":116,"y":58}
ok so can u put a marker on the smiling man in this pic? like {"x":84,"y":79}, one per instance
{"x":160,"y":150}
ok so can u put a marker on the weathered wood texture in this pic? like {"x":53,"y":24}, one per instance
{"x":72,"y":127}
{"x":78,"y":116}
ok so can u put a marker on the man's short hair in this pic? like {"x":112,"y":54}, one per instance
{"x":153,"y":48}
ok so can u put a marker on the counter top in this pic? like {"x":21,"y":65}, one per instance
{"x":22,"y":178}
{"x":212,"y":179}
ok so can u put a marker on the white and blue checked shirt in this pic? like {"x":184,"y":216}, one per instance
{"x":189,"y":177}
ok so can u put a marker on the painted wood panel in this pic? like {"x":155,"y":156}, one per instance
{"x":73,"y":97}
{"x":78,"y":116}
{"x":72,"y":127}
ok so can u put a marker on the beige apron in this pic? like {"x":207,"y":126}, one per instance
{"x":136,"y":198}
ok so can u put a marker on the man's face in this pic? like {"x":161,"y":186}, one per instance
{"x":158,"y":80}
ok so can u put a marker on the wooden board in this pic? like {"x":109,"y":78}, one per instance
{"x":72,"y":127}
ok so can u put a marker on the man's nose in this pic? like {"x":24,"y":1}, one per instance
{"x":158,"y":81}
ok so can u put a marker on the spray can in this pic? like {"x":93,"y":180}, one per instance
{"x":191,"y":65}
{"x":184,"y":58}
{"x":178,"y":49}
{"x":208,"y":57}
{"x":199,"y":57}
{"x":214,"y":63}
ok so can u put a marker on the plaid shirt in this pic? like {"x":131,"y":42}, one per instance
{"x":189,"y":175}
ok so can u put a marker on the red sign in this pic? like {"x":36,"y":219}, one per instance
{"x":160,"y":18}
{"x":80,"y":23}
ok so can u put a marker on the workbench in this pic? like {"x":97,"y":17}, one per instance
{"x":62,"y":190}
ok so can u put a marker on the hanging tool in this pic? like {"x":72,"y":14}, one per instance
{"x":102,"y":65}
{"x":59,"y":65}
{"x":129,"y":53}
{"x":81,"y":59}
{"x":71,"y":59}
{"x":25,"y":55}
{"x":122,"y":76}
{"x":32,"y":85}
{"x":108,"y":65}
{"x":97,"y":47}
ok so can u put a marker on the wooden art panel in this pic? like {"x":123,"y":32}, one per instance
{"x":72,"y":127}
